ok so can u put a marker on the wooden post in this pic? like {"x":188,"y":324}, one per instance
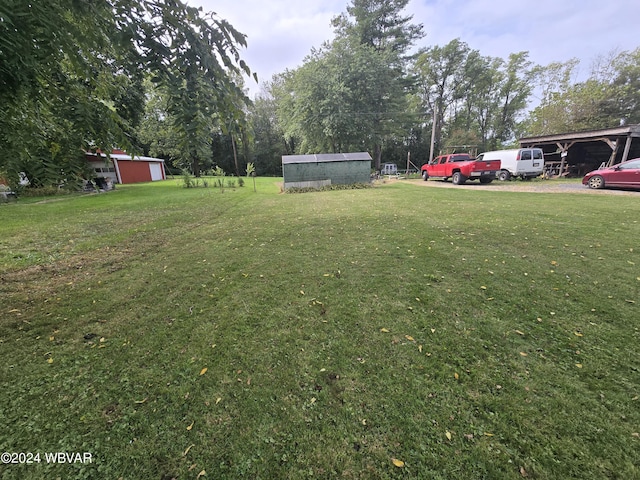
{"x":563,"y":157}
{"x":614,"y":147}
{"x":627,"y":147}
{"x":433,"y":135}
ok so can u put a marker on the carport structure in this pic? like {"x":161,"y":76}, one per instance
{"x":581,"y":152}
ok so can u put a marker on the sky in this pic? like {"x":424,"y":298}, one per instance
{"x":281,"y":33}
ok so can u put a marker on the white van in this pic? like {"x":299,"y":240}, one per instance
{"x":525,"y":163}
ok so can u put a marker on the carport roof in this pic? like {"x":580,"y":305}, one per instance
{"x":586,"y":136}
{"x":326,"y":157}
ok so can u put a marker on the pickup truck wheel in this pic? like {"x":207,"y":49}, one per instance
{"x":485,"y":180}
{"x":504,"y":175}
{"x":425,"y":175}
{"x":458,"y":179}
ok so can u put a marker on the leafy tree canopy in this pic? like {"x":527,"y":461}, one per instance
{"x":71,"y":77}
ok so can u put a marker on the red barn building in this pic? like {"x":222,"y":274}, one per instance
{"x":123,"y":168}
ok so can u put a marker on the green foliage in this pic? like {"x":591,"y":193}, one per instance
{"x":71,"y":79}
{"x":467,"y":92}
{"x":351,"y":94}
{"x":187,"y":179}
{"x":269,"y":141}
{"x":219,"y":174}
{"x":606,"y":99}
{"x":328,"y":188}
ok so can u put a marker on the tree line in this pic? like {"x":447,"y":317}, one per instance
{"x":165,"y":79}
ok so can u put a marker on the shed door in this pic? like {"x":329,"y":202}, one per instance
{"x":156,"y":171}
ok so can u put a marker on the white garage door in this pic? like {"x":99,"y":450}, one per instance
{"x":156,"y":171}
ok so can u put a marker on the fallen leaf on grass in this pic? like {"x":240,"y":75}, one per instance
{"x":201,"y":474}
{"x":523,"y":472}
{"x":524,"y":354}
{"x":519,"y":332}
{"x":218,"y":400}
{"x":448,"y":435}
{"x":191,"y":426}
{"x":384,"y":330}
{"x":203,"y":371}
{"x":420,"y":348}
{"x":50,"y":360}
{"x":456,"y":376}
{"x":397,"y":463}
{"x":410,"y":338}
{"x":579,"y":365}
{"x":139,"y":402}
{"x":487,"y":434}
{"x":187,"y":450}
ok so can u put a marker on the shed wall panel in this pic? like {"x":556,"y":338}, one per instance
{"x":344,"y":172}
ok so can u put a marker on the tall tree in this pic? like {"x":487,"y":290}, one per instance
{"x":441,"y":71}
{"x":608,"y":98}
{"x":466,"y":92}
{"x":352,"y":92}
{"x":514,"y":92}
{"x":379,"y":25}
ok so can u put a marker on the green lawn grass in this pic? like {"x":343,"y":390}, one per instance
{"x":185,"y":333}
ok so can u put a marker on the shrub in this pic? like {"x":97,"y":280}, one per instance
{"x":187,"y":179}
{"x":352,"y":186}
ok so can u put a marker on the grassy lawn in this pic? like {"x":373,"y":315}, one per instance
{"x":393,"y":332}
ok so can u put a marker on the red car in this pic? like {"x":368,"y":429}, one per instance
{"x":623,"y":175}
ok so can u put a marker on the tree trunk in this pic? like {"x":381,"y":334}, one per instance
{"x":235,"y":155}
{"x":377,"y":154}
{"x":195,"y":165}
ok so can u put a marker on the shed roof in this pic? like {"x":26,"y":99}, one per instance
{"x":326,"y":157}
{"x":124,"y":156}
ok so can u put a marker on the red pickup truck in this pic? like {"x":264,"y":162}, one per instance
{"x":460,"y":167}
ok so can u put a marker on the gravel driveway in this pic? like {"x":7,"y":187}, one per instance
{"x":538,"y":186}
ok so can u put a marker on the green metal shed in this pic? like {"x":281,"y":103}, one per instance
{"x":326,"y":169}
